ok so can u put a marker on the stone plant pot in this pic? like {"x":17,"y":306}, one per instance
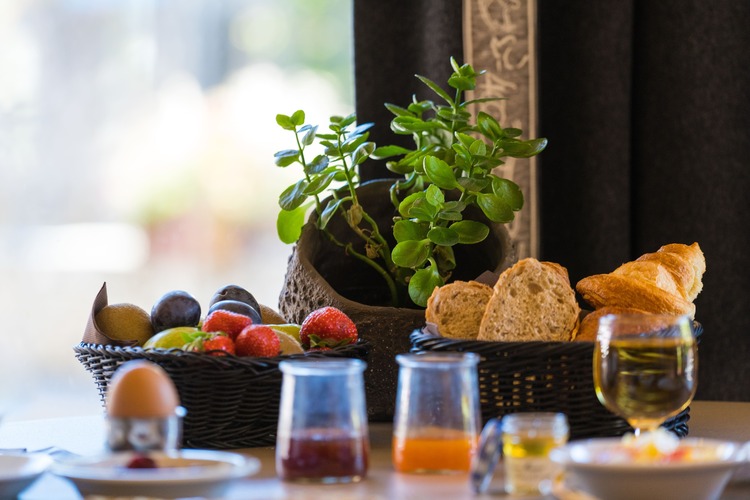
{"x":320,"y":274}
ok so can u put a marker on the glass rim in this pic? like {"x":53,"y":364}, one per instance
{"x":439,"y":360}
{"x":535,"y":416}
{"x":323,"y":366}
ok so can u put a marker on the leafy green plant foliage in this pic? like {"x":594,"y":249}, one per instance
{"x":449,"y":169}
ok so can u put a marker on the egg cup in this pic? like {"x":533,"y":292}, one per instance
{"x":145,"y":434}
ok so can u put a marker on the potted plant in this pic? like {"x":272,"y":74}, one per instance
{"x":378,"y":249}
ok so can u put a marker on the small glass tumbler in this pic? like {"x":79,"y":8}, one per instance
{"x":527,"y":439}
{"x":436,"y":421}
{"x":322,"y":434}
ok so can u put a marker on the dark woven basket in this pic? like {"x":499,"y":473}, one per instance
{"x":542,"y":376}
{"x":231,"y":401}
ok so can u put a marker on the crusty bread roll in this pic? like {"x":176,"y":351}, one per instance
{"x":532,"y":300}
{"x":590,"y":322}
{"x":457,"y":308}
{"x":666,"y":281}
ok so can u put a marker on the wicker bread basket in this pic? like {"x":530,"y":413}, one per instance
{"x":542,"y":376}
{"x":231,"y":401}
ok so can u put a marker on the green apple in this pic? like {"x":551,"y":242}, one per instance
{"x":176,"y":337}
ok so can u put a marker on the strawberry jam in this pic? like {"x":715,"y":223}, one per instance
{"x":322,"y":455}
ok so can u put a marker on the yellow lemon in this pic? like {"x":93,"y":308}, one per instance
{"x":287,"y":343}
{"x":291,"y":329}
{"x":176,"y":337}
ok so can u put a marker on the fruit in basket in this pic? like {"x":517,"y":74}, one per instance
{"x":219,"y":345}
{"x":269,"y":316}
{"x":229,"y":322}
{"x":173,"y":338}
{"x":257,"y":340}
{"x":124,"y":322}
{"x":237,"y":307}
{"x":234,"y":292}
{"x":173,"y":309}
{"x":287,"y":343}
{"x":291,"y":329}
{"x":327,"y":327}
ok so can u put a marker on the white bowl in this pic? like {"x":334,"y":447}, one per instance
{"x":589,"y":469}
{"x":18,"y":471}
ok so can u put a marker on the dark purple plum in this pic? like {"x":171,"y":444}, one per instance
{"x":234,"y":292}
{"x":175,"y":308}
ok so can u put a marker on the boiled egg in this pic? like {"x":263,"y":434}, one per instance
{"x":141,"y":389}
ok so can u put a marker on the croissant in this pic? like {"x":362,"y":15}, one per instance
{"x":666,"y":281}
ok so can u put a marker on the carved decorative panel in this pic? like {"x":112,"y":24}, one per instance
{"x":499,"y":37}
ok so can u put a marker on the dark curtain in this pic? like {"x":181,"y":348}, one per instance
{"x":646,"y":105}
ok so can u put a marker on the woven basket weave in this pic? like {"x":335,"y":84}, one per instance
{"x":231,"y":401}
{"x":541,"y":376}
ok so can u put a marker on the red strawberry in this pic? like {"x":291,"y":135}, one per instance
{"x":257,"y":340}
{"x":327,"y":327}
{"x":229,"y":322}
{"x":141,"y":462}
{"x":220,"y":345}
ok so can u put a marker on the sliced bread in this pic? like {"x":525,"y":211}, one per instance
{"x":532,"y":300}
{"x":456,"y":309}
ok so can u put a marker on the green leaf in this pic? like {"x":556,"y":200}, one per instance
{"x":450,"y":215}
{"x":423,"y":210}
{"x":443,"y":236}
{"x":445,"y":258}
{"x":309,"y":132}
{"x":420,"y":107}
{"x":473,"y":184}
{"x":329,"y":211}
{"x":483,"y":99}
{"x":422,"y":284}
{"x":397,"y":110}
{"x":524,"y":149}
{"x":293,"y":196}
{"x":298,"y":117}
{"x":318,"y":183}
{"x":405,"y":206}
{"x":289,"y":224}
{"x":434,"y":196}
{"x":478,"y":148}
{"x":410,"y":253}
{"x":362,"y":128}
{"x":404,"y":230}
{"x":413,"y":124}
{"x":465,"y":139}
{"x":489,"y":126}
{"x":439,"y":173}
{"x":470,"y":231}
{"x":436,"y":88}
{"x":363,"y":152}
{"x":353,"y":142}
{"x":286,"y":157}
{"x":344,"y":122}
{"x":462,"y":83}
{"x":495,"y":208}
{"x":508,"y":191}
{"x":384,"y":152}
{"x":316,"y":166}
{"x":285,"y":122}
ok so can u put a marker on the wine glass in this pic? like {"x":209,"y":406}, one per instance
{"x":645,"y":367}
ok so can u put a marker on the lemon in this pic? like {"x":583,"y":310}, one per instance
{"x":124,"y":322}
{"x":270,"y":317}
{"x":287,"y":343}
{"x":291,"y":329}
{"x":176,"y":337}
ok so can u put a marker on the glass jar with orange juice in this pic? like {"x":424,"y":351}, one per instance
{"x":436,"y":422}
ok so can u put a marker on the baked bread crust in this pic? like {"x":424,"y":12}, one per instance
{"x":531,"y":300}
{"x":456,"y":309}
{"x":666,"y":281}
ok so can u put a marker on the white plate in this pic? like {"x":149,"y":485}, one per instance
{"x":182,"y":473}
{"x":586,"y":472}
{"x":18,"y":471}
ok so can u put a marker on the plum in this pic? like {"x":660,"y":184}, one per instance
{"x":173,"y":309}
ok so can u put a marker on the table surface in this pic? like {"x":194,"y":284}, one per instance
{"x":84,"y":435}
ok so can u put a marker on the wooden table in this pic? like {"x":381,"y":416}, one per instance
{"x":84,"y":435}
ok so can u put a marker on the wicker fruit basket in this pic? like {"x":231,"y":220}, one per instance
{"x":231,"y":401}
{"x":541,"y":376}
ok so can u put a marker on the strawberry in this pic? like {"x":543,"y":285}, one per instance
{"x":229,"y":322}
{"x":220,"y":345}
{"x":141,"y":462}
{"x":257,"y":340}
{"x":327,"y":327}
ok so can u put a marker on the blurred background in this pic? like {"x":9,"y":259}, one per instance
{"x":136,"y":149}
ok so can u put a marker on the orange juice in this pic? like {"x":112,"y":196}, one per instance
{"x":434,"y":450}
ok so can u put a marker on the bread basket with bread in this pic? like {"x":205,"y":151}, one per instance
{"x":536,"y":342}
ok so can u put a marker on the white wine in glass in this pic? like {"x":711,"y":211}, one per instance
{"x":645,"y":367}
